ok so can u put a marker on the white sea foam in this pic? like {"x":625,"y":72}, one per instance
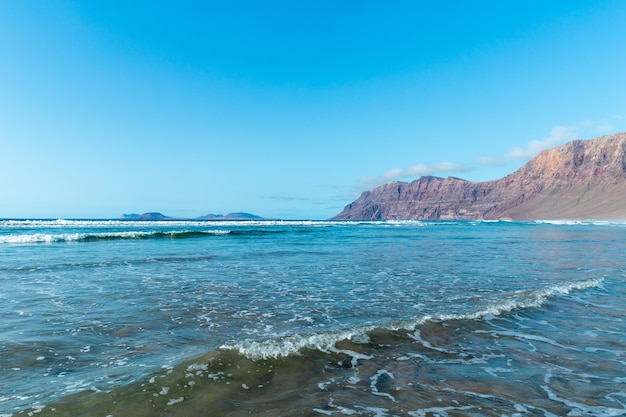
{"x":522,"y":300}
{"x":578,"y":408}
{"x":173,"y":401}
{"x":293,"y":344}
{"x":583,"y":222}
{"x":62,"y":223}
{"x":326,"y":341}
{"x":25,"y":239}
{"x":38,"y":238}
{"x":135,"y":229}
{"x":374,"y":383}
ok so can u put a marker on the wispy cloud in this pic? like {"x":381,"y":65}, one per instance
{"x":417,"y":170}
{"x":558,"y":136}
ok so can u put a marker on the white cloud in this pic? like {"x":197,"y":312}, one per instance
{"x":418,"y":170}
{"x":558,"y":136}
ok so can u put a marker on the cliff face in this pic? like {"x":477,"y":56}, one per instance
{"x":579,"y":180}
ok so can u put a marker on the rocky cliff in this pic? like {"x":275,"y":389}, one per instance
{"x":583,"y":179}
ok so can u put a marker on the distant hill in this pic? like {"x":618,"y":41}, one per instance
{"x":158,"y":216}
{"x":145,"y":216}
{"x":583,"y":179}
{"x":231,"y":216}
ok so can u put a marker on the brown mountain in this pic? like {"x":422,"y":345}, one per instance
{"x":583,"y":179}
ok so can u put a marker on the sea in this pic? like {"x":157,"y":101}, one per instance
{"x":312,"y":318}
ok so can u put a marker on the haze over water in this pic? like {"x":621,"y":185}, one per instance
{"x":312,"y":318}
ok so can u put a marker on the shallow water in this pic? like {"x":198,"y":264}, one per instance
{"x":312,"y":318}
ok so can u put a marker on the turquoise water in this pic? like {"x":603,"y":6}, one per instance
{"x":312,"y":318}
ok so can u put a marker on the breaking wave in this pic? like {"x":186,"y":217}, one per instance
{"x":39,"y":238}
{"x":582,"y":222}
{"x":326,"y":341}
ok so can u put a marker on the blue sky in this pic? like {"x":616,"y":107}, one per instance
{"x":289,"y":109}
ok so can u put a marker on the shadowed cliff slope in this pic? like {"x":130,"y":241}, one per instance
{"x":583,"y":179}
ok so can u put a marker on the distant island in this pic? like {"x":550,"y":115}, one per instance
{"x":153,"y":216}
{"x":583,"y":179}
{"x":231,"y":216}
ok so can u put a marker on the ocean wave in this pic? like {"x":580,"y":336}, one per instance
{"x":62,"y":223}
{"x":88,"y":230}
{"x":47,"y":238}
{"x":326,"y":341}
{"x":582,"y":222}
{"x":87,"y":223}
